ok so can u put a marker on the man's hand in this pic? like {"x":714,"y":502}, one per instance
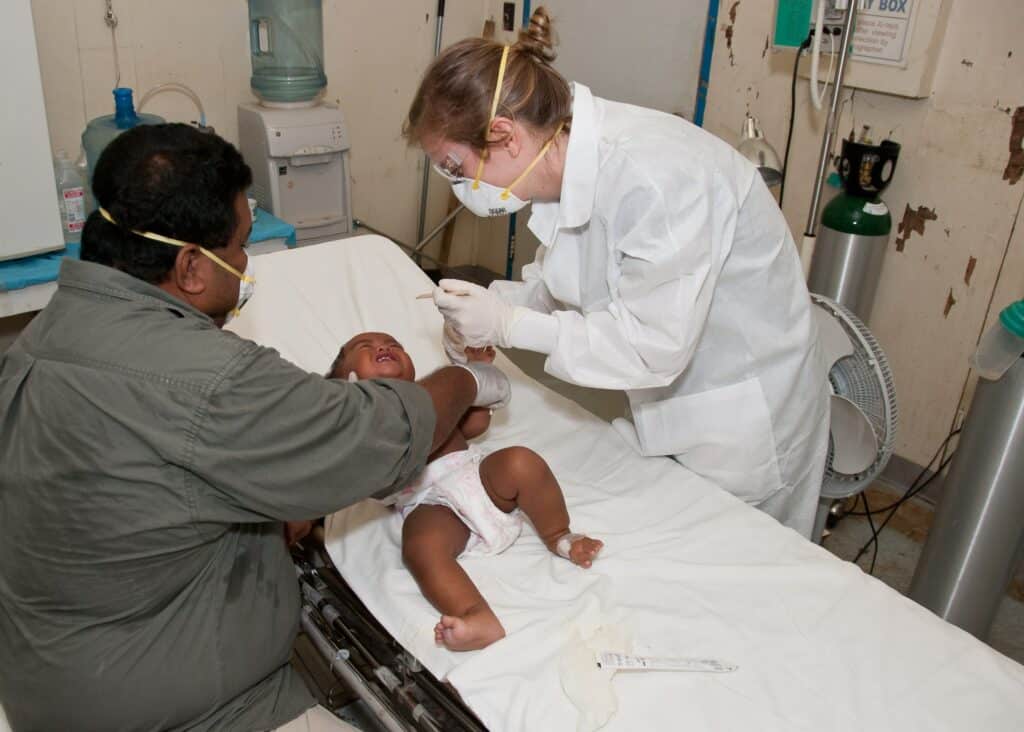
{"x":493,"y":389}
{"x":296,"y":531}
{"x":452,"y":391}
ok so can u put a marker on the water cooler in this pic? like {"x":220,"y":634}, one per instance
{"x":297,"y":145}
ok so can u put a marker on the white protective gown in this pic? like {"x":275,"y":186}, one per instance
{"x":673,"y":275}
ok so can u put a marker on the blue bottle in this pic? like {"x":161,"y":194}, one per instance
{"x":101,"y":130}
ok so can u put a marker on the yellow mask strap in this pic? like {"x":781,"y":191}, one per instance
{"x":179,"y":243}
{"x":494,"y":111}
{"x":543,"y":151}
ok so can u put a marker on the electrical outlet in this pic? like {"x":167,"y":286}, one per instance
{"x":835,"y":15}
{"x":835,"y":11}
{"x":508,"y":16}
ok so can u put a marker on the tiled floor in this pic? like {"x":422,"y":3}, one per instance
{"x":901,"y":541}
{"x":900,"y":547}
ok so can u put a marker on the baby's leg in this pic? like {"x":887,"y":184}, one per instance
{"x":519,"y":477}
{"x":432,"y":539}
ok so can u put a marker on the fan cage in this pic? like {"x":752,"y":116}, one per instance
{"x":865,"y":378}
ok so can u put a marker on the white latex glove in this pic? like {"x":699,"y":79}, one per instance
{"x":454,"y":344}
{"x":477,"y":314}
{"x":492,"y":387}
{"x":532,"y":294}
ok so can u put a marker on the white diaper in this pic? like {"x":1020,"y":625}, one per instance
{"x":454,"y":481}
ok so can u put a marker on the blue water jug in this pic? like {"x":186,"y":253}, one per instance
{"x":101,"y":130}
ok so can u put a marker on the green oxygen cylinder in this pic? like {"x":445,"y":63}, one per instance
{"x":855,"y":228}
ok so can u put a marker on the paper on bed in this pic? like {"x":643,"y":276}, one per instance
{"x":687,"y":569}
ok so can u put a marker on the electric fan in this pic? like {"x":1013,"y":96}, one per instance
{"x":864,"y":413}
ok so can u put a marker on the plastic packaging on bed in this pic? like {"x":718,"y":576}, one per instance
{"x":687,"y":570}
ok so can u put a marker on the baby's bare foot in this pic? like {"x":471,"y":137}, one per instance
{"x":476,"y":629}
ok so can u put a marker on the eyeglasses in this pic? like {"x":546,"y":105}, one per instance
{"x":450,"y":168}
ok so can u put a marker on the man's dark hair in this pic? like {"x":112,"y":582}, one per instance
{"x":168,"y":179}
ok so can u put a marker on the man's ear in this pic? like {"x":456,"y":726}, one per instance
{"x":506,"y":133}
{"x":187,"y":271}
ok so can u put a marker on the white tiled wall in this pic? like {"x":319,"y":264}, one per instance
{"x":375,"y":52}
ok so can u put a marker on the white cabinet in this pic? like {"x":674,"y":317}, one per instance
{"x":29,"y":217}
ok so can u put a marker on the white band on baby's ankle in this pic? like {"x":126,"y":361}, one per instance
{"x":564,"y":544}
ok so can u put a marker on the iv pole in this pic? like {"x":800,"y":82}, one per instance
{"x":421,"y":220}
{"x":810,"y":232}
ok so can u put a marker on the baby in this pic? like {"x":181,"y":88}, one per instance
{"x":465,"y":501}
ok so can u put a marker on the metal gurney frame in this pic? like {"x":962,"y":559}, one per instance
{"x":394,"y":686}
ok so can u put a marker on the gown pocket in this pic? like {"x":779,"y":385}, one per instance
{"x":723,"y":434}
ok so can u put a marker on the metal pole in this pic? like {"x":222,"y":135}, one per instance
{"x":437,"y":229}
{"x":421,"y":220}
{"x":510,"y":248}
{"x":826,"y":141}
{"x":339,"y":663}
{"x":360,"y":224}
{"x":510,"y":241}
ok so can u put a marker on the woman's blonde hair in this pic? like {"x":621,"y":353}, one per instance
{"x":454,"y":99}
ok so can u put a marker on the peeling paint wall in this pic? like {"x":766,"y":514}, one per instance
{"x":1015,"y":165}
{"x":913,"y":222}
{"x":375,"y":52}
{"x":956,"y":257}
{"x":729,"y":29}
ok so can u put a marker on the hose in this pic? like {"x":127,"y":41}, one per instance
{"x":173,"y":86}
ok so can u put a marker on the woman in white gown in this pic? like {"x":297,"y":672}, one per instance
{"x":666,"y":267}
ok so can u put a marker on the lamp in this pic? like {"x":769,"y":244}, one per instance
{"x":756,"y":149}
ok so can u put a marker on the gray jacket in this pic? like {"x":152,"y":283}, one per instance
{"x":147,"y":459}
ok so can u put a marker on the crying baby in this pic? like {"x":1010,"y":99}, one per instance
{"x":466,"y":501}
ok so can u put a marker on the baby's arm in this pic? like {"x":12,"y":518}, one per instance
{"x":475,"y":423}
{"x":477,"y":420}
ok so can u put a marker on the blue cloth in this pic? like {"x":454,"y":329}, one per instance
{"x":267,"y":226}
{"x":28,"y":271}
{"x":19,"y":273}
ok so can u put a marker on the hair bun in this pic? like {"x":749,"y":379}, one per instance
{"x":539,"y":39}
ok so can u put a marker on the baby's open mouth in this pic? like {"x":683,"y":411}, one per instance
{"x":384,"y":356}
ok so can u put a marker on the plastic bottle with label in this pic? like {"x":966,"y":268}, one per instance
{"x":70,"y":197}
{"x":1002,"y":345}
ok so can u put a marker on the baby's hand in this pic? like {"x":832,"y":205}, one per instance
{"x":484,"y":355}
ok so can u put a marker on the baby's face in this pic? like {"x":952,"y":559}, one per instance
{"x":373,"y":356}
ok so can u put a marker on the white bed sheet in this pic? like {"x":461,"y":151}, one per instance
{"x":687,"y":569}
